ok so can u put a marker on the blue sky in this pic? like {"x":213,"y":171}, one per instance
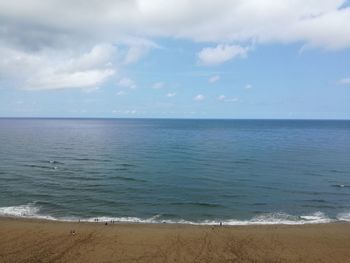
{"x":272,"y":73}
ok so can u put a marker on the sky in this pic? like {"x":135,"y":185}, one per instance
{"x":244,"y":59}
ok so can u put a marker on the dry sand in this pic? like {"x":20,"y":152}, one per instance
{"x":45,"y":241}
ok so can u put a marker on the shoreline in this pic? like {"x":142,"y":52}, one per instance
{"x":170,"y":223}
{"x":30,"y":211}
{"x":35,"y":240}
{"x":207,"y":223}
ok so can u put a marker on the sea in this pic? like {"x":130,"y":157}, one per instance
{"x":205,"y":172}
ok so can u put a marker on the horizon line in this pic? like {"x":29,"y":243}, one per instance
{"x":171,"y":118}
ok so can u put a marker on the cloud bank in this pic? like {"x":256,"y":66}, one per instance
{"x":43,"y":44}
{"x":321,"y":23}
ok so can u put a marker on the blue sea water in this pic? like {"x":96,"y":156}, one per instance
{"x":176,"y":171}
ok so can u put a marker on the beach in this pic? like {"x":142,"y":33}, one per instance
{"x":29,"y":240}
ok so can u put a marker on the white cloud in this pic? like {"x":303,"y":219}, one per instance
{"x":214,"y":79}
{"x":199,"y":97}
{"x":248,"y":86}
{"x":44,"y":70}
{"x":170,"y":95}
{"x":323,"y":23}
{"x":127,"y":83}
{"x":45,"y":50}
{"x":221,"y":53}
{"x":226,"y":99}
{"x":158,"y":85}
{"x":61,"y":80}
{"x":345,"y":81}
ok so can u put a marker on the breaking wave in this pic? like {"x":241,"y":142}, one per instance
{"x":32,"y":210}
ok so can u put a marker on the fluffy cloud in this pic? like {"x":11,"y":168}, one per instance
{"x":79,"y":79}
{"x":170,"y":95}
{"x":214,"y":79}
{"x":199,"y":97}
{"x":43,"y":70}
{"x":220,"y":54}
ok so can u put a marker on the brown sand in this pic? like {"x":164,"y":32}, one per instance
{"x":46,"y":241}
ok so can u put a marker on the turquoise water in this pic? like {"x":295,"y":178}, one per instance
{"x":187,"y":171}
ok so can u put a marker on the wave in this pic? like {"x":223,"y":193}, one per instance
{"x":344,"y":216}
{"x":27,"y":211}
{"x":32,"y":210}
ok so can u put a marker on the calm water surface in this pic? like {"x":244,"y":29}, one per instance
{"x":190,"y":171}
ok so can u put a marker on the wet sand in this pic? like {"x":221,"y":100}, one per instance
{"x":24,"y":240}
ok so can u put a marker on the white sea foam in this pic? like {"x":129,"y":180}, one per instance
{"x":344,"y":216}
{"x":278,"y":219}
{"x":27,"y":211}
{"x":317,"y":218}
{"x":20,"y":211}
{"x":31,"y":210}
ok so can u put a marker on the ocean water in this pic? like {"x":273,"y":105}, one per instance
{"x":176,"y":171}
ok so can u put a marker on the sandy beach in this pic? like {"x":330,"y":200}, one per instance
{"x":24,"y":240}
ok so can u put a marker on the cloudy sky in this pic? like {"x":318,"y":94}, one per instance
{"x":175,"y":58}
